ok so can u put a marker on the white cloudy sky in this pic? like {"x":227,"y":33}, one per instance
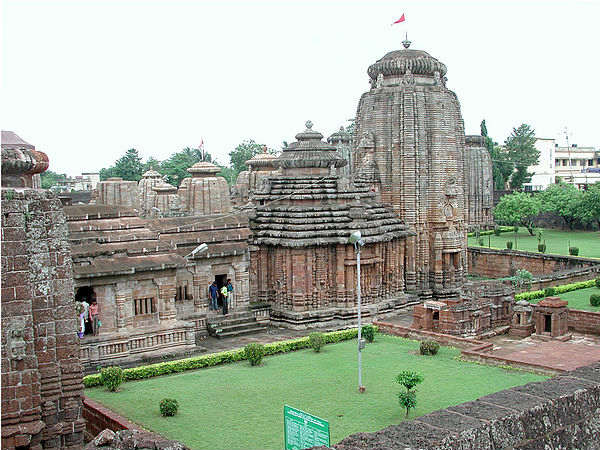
{"x":85,"y":80}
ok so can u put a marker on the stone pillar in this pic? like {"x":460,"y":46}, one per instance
{"x":41,"y":372}
{"x":123,"y":300}
{"x":242,"y":285}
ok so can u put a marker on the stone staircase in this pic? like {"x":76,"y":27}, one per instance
{"x":234,"y":324}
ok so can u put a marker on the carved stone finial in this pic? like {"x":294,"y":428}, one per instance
{"x":406,"y":42}
{"x":308,"y":124}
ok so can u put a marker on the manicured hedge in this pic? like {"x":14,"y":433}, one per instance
{"x":214,"y":359}
{"x":503,"y":229}
{"x":532,"y":295}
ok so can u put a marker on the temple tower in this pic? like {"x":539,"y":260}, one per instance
{"x":410,"y":140}
{"x":260,"y":166}
{"x":479,"y":178}
{"x":342,"y":140}
{"x":206,"y":192}
{"x":150,"y":179}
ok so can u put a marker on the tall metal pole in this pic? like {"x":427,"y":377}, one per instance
{"x":360,"y":385}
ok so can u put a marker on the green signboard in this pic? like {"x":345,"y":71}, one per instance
{"x":303,"y":430}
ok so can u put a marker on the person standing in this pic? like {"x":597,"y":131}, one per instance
{"x":86,"y":315}
{"x":229,"y":291}
{"x":224,"y":294}
{"x":94,"y":317}
{"x":213,"y":292}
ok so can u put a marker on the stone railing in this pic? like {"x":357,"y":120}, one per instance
{"x":261,"y":312}
{"x":101,"y":349}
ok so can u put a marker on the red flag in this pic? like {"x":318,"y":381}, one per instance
{"x":401,"y":19}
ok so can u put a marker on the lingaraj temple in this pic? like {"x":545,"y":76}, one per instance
{"x":407,"y":178}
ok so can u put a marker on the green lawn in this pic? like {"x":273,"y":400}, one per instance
{"x":236,"y":406}
{"x":579,"y":299}
{"x":557,"y":242}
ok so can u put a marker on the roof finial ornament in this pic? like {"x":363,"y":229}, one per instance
{"x":406,"y":42}
{"x":308,"y":124}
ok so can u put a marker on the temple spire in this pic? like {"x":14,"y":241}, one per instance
{"x":406,"y":42}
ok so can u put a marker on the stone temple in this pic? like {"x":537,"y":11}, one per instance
{"x":410,"y":148}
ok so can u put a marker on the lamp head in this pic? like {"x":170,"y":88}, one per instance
{"x":355,"y":238}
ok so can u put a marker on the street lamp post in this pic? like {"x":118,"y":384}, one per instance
{"x":356,"y":239}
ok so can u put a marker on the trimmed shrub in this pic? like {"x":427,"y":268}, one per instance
{"x":408,"y":400}
{"x":368,"y":332}
{"x":516,"y":229}
{"x":549,"y":292}
{"x":542,"y":248}
{"x":573,"y":251}
{"x":497,"y":231}
{"x":480,"y":242}
{"x":409,"y":380}
{"x":597,"y":282}
{"x":429,"y":348}
{"x":316,"y":340}
{"x":168,"y":407}
{"x":595,"y":299}
{"x":111,"y":378}
{"x":532,"y":295}
{"x":215,"y":359}
{"x":254,"y":353}
{"x":509,"y":245}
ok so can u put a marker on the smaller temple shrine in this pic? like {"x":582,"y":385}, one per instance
{"x":260,"y":166}
{"x":301,"y":262}
{"x":550,"y":317}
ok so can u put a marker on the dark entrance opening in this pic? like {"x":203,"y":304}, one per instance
{"x":436,"y":315}
{"x":87,"y":294}
{"x":547,"y":323}
{"x":221,"y":281}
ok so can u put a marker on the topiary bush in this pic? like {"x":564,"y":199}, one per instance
{"x":595,"y":299}
{"x":542,"y":248}
{"x":497,"y":231}
{"x":368,"y":332}
{"x":254,"y":353}
{"x":573,"y":251}
{"x":168,"y":407}
{"x":509,"y":245}
{"x":316,"y":341}
{"x":111,"y":377}
{"x":516,"y":229}
{"x":480,"y":242}
{"x":597,"y":282}
{"x":549,"y":292}
{"x":429,"y":348}
{"x":409,"y":380}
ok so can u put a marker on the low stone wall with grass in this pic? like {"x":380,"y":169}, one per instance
{"x":98,"y":418}
{"x":562,"y":412}
{"x":496,"y":263}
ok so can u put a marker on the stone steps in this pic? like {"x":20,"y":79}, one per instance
{"x":235,"y":324}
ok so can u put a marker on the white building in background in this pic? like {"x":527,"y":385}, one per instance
{"x":575,"y":165}
{"x":544,"y":170}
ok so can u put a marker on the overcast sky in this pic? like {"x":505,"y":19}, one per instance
{"x":85,"y":80}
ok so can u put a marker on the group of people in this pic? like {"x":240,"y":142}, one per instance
{"x":225,"y":294}
{"x":88,"y":315}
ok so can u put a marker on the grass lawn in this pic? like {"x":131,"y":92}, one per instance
{"x":236,"y":406}
{"x":557,"y":242}
{"x":579,"y":299}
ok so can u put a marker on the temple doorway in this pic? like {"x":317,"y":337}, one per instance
{"x":87,"y":294}
{"x":221,"y":281}
{"x":547,"y":323}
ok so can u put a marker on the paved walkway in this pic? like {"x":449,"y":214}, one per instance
{"x":581,"y":350}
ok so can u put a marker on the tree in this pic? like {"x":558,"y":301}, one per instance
{"x":590,"y":204}
{"x":242,"y":153}
{"x":50,"y":178}
{"x":564,"y":200}
{"x":176,"y":166}
{"x":520,"y":147}
{"x":502,"y":166}
{"x":409,"y":380}
{"x":129,"y":167}
{"x":518,"y":208}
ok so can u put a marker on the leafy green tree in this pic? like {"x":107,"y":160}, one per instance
{"x":409,"y":380}
{"x":502,"y":166}
{"x":152,"y":163}
{"x":589,"y":210}
{"x":564,"y":200}
{"x":518,"y":208}
{"x":176,"y":166}
{"x":242,"y":153}
{"x":129,"y":167}
{"x":520,"y":147}
{"x":50,"y":178}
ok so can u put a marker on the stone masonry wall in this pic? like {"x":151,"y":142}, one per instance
{"x":41,"y":373}
{"x":584,"y":321}
{"x":560,"y":413}
{"x":495,"y":263}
